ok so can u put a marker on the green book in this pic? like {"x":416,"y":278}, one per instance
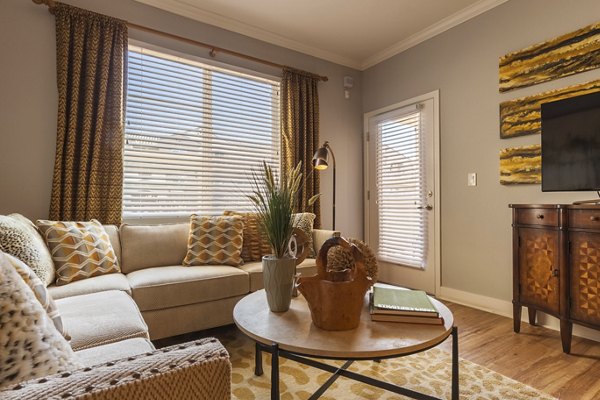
{"x":389,"y":300}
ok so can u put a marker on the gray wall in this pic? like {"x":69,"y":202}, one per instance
{"x":463,"y":64}
{"x":28,"y":101}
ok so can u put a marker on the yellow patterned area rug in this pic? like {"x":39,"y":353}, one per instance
{"x":428,"y":372}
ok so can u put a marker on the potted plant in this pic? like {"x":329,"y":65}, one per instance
{"x":275,"y":201}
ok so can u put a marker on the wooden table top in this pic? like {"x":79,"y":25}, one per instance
{"x":294,"y":331}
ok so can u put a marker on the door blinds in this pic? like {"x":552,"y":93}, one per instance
{"x":401,"y":190}
{"x":193,"y":134}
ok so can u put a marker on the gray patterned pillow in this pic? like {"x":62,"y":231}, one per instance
{"x":20,"y":238}
{"x":305,"y":221}
{"x":30,"y":345}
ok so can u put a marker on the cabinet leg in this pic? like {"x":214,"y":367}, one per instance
{"x":566,"y":333}
{"x":531,"y":312}
{"x":517,"y":317}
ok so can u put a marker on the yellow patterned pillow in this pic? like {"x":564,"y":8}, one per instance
{"x":80,"y":250}
{"x":215,"y":241}
{"x":255,"y":245}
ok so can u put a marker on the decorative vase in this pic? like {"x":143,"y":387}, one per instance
{"x":278,"y":278}
{"x":336,"y":298}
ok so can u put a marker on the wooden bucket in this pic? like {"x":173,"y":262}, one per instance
{"x":336,"y":298}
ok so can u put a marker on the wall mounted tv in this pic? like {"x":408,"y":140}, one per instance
{"x":571,"y":144}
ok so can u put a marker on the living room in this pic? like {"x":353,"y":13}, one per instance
{"x":457,"y":58}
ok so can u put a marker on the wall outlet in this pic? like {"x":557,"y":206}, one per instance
{"x":472,"y":179}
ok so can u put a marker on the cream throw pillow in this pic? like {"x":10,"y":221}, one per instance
{"x":30,"y":345}
{"x":80,"y":250}
{"x":215,"y":241}
{"x":20,"y":238}
{"x":41,"y":293}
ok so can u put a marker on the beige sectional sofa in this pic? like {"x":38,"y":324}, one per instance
{"x":172,"y":298}
{"x":112,"y":318}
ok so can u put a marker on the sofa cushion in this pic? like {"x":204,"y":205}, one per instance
{"x":146,"y":246}
{"x":171,"y":286}
{"x":308,"y":267}
{"x":80,"y":250}
{"x":115,"y":241}
{"x":41,"y":293}
{"x":30,"y":345}
{"x":20,"y":238}
{"x":114,"y":351}
{"x":100,"y":318}
{"x":96,"y":284}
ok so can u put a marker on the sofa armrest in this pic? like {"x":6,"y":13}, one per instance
{"x":194,"y":370}
{"x":320,"y":236}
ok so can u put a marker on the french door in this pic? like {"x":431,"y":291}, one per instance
{"x":401,"y":216}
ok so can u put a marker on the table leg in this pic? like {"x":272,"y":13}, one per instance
{"x":454,"y":363}
{"x":258,"y":369}
{"x":275,"y":371}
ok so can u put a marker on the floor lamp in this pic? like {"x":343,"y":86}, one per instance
{"x":321,"y":162}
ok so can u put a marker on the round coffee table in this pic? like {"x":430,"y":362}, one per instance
{"x":292,"y":335}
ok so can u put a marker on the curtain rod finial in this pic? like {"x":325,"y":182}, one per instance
{"x":50,"y":3}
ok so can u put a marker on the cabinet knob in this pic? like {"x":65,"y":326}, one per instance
{"x":554,"y":272}
{"x":540,"y":216}
{"x":594,"y":218}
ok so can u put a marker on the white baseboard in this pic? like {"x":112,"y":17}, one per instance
{"x":504,"y":308}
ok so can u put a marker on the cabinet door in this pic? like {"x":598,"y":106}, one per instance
{"x":585,"y":271}
{"x":538,"y":259}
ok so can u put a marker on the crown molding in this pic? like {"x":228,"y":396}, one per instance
{"x":443,"y":25}
{"x":190,"y":11}
{"x":230,"y":24}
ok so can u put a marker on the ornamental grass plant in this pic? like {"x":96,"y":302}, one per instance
{"x":275,"y":201}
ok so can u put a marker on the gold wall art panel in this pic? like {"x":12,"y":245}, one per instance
{"x":522,"y":116}
{"x":521,"y":165}
{"x":563,"y":56}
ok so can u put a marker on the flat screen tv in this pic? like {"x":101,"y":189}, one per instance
{"x":571,"y":144}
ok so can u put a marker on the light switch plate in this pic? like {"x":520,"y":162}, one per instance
{"x":472,"y":179}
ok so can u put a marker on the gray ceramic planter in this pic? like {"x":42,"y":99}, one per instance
{"x":278,"y":278}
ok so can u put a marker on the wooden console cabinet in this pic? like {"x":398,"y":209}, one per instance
{"x":556,"y":264}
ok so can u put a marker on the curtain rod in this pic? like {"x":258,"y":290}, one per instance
{"x":213,"y":49}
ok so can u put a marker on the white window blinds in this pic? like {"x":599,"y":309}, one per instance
{"x":401,"y":190}
{"x":193,"y":134}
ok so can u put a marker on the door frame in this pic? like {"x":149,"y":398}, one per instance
{"x":435,"y":95}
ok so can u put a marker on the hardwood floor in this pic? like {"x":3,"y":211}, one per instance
{"x":533,"y":356}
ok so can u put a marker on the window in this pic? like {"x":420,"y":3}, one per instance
{"x":193,"y":134}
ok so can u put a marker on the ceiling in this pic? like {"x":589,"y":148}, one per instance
{"x":355,"y":33}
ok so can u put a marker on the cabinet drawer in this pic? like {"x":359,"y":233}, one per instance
{"x":586,"y":219}
{"x":537,"y":216}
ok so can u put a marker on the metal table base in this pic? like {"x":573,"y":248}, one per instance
{"x":276,"y":352}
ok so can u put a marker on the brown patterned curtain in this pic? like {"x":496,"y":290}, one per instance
{"x":90,"y":61}
{"x":300,"y":132}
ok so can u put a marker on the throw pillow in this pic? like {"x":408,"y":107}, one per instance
{"x":255,"y":244}
{"x":19,"y":238}
{"x":215,"y":241}
{"x":30,"y":345}
{"x":80,"y":250}
{"x":41,"y":293}
{"x":305,"y":221}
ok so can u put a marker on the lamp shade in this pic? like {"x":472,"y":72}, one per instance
{"x":321,"y":158}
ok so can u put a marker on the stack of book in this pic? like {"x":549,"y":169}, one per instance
{"x":390,"y":304}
